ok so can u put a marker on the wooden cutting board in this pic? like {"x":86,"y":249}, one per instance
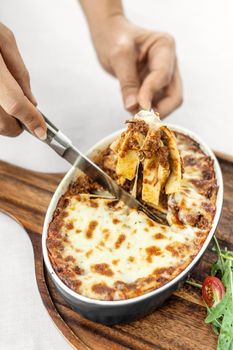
{"x":177,"y":325}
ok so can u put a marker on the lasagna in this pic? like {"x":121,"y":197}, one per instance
{"x":148,"y":144}
{"x":103,"y":250}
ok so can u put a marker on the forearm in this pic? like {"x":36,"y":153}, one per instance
{"x":98,"y":12}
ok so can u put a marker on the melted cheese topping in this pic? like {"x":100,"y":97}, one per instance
{"x":104,"y":250}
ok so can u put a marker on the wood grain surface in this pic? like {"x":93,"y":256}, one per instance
{"x":177,"y":325}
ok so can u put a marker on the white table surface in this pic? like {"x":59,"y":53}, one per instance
{"x":85,"y":102}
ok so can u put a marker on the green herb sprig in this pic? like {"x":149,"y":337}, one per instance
{"x":220,"y":316}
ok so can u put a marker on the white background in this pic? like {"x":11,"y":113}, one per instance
{"x":85,"y":103}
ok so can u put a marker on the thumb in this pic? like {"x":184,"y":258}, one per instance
{"x":153,"y":84}
{"x":124,"y":65}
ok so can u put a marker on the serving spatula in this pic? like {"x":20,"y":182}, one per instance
{"x":63,"y":146}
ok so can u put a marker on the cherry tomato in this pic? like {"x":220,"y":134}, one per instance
{"x":212,"y":290}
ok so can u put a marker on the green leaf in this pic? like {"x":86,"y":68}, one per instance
{"x":218,"y":266}
{"x":215,"y":328}
{"x":221,"y":315}
{"x":225,"y":341}
{"x":218,"y":310}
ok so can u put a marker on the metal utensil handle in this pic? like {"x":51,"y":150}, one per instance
{"x":55,"y":138}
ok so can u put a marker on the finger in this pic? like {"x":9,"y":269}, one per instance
{"x":161,"y":66}
{"x":9,"y":126}
{"x":124,"y":65}
{"x":16,"y":104}
{"x":14,"y":61}
{"x":28,"y":115}
{"x":173,"y":96}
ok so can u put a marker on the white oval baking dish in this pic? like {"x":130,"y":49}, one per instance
{"x":113,"y":312}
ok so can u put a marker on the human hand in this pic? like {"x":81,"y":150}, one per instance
{"x":144,"y":62}
{"x":17,"y":103}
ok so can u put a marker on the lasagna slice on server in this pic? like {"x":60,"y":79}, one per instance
{"x":149,"y":146}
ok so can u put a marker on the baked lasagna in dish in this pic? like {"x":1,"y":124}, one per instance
{"x":103,"y":250}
